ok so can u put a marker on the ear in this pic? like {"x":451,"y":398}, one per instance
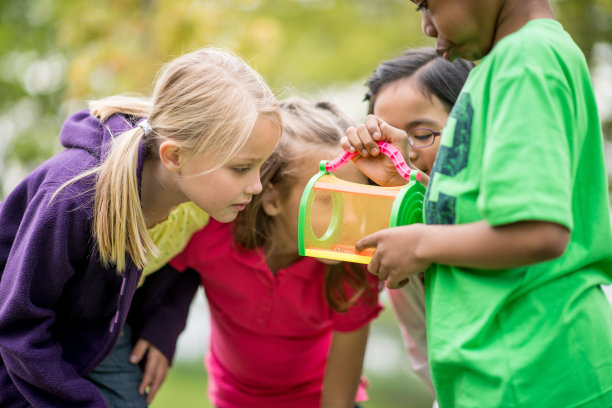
{"x":270,"y":200}
{"x":169,"y":155}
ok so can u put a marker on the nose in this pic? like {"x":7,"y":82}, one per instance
{"x":427,"y":25}
{"x":254,"y":186}
{"x":413,"y":154}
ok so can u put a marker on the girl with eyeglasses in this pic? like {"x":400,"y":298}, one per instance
{"x":415,"y":92}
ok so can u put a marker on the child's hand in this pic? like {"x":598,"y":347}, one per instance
{"x":156,"y":367}
{"x":363,"y":139}
{"x":395,"y":258}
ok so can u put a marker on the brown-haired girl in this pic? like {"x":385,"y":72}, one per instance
{"x":285,"y":330}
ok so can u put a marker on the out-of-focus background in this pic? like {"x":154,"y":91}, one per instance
{"x":55,"y":55}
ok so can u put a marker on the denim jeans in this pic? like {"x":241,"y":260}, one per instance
{"x":118,"y":379}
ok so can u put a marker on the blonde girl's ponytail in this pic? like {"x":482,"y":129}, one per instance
{"x":119,"y":223}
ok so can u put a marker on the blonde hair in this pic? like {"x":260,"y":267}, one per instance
{"x":207,"y":101}
{"x":308,"y":129}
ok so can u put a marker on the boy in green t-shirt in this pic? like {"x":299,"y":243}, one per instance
{"x":517,"y":242}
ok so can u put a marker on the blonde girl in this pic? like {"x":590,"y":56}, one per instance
{"x":74,"y":236}
{"x":286,"y":331}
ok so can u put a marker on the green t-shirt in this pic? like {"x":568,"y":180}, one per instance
{"x":524,"y":143}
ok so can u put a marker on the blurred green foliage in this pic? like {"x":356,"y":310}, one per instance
{"x":57,"y":54}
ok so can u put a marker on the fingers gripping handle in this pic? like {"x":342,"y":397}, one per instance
{"x":387,"y":149}
{"x":398,"y":160}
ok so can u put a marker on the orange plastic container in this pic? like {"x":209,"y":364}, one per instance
{"x":334,"y":214}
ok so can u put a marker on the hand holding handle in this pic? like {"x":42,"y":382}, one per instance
{"x":387,"y":149}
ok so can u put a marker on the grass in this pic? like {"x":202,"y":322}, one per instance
{"x":186,"y":384}
{"x":185,"y":387}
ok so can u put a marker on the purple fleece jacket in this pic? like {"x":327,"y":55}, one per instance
{"x":61,"y":311}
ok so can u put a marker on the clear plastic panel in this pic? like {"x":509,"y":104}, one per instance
{"x":340,"y":213}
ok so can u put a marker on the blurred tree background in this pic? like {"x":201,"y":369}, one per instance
{"x":55,"y":55}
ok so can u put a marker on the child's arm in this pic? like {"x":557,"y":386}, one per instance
{"x":404,"y":251}
{"x":156,"y":367}
{"x":344,"y":368}
{"x":159,"y":314}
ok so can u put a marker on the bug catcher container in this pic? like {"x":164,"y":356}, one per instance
{"x":335,"y":214}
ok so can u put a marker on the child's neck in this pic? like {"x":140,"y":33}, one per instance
{"x":281,"y":255}
{"x":159,"y":194}
{"x":516,"y":13}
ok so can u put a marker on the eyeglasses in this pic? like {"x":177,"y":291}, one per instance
{"x":422,"y":137}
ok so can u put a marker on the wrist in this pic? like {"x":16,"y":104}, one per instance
{"x":423,"y":247}
{"x":397,"y":180}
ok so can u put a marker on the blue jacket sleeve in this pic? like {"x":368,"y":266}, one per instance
{"x":161,"y":305}
{"x":50,"y":240}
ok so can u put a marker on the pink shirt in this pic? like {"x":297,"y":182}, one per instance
{"x":270,"y":335}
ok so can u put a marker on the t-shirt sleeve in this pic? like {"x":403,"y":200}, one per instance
{"x":181,"y":261}
{"x":186,"y":258}
{"x":526,"y":161}
{"x":172,"y":235}
{"x":161,"y":305}
{"x":363,"y":311}
{"x":203,"y":247}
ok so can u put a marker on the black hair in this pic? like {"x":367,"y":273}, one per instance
{"x":433,"y":73}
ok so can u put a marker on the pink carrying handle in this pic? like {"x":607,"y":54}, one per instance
{"x":387,"y":149}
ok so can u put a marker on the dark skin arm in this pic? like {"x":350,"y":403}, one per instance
{"x":378,"y":167}
{"x":404,"y":251}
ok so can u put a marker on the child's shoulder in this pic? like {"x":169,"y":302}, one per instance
{"x":213,"y":233}
{"x":541,"y":48}
{"x":206,"y":246}
{"x":533,"y":40}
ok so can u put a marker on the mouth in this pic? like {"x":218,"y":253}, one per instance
{"x":241,"y":206}
{"x":444,"y":53}
{"x":444,"y":48}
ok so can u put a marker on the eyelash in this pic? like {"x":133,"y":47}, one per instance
{"x":241,"y":170}
{"x":422,"y":5}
